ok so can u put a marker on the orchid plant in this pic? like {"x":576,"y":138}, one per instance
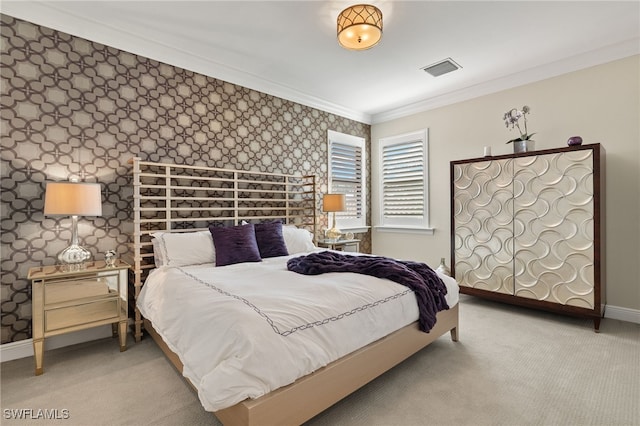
{"x":512,"y":120}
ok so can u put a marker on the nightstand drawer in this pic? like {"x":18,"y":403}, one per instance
{"x":69,"y":290}
{"x":81,"y":314}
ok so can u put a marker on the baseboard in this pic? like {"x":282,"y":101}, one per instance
{"x":24,"y":348}
{"x":622,"y":314}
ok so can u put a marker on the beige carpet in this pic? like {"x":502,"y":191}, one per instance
{"x":512,"y":366}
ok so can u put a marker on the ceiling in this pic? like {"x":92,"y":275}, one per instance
{"x":289,"y":48}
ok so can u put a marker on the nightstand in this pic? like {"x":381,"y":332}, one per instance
{"x":341,"y":245}
{"x":64,"y":301}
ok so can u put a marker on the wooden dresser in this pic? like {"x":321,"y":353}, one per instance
{"x":528,"y":229}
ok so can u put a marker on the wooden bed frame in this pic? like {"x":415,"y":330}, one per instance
{"x":295,"y":203}
{"x":310,"y":395}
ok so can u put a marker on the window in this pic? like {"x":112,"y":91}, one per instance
{"x":403,"y":181}
{"x":347,"y":176}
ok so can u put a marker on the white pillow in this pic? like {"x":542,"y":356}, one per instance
{"x":297,"y":240}
{"x":158,"y":258}
{"x":184,"y":248}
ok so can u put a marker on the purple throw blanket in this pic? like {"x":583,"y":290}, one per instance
{"x":429,"y":289}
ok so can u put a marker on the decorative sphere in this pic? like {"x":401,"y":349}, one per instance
{"x":574,"y":140}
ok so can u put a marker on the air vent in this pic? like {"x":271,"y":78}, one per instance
{"x":442,"y":67}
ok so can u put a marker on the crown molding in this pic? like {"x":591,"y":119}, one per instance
{"x":49,"y":16}
{"x":574,"y":63}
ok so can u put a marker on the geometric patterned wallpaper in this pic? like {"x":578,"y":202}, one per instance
{"x":74,"y":108}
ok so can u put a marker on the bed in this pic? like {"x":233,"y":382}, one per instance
{"x":187,"y":305}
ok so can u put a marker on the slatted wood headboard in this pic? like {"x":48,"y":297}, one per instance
{"x":182,"y":198}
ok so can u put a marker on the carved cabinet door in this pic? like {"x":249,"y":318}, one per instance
{"x":483,"y":224}
{"x":554,"y":228}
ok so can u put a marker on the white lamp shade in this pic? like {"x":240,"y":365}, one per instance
{"x":72,"y":199}
{"x":333,"y":203}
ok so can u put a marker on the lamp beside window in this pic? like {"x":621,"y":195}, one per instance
{"x":333,"y":203}
{"x":73,"y":199}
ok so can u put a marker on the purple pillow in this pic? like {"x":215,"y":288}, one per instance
{"x":270,"y":240}
{"x":235,"y":244}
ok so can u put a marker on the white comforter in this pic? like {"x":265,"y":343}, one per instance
{"x":244,"y":330}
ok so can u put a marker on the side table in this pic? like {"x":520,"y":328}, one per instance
{"x":352,"y":245}
{"x":69,"y":300}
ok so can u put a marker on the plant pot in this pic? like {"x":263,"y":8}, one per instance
{"x":524,"y":146}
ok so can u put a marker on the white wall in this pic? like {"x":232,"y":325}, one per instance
{"x":601,"y":104}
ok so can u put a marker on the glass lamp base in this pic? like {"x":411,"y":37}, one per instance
{"x":333,"y":234}
{"x":74,"y":256}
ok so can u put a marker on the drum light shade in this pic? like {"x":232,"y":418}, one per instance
{"x":359,"y":27}
{"x":334,"y":203}
{"x":73,"y":199}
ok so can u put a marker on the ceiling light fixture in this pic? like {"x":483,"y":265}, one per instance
{"x":359,"y":27}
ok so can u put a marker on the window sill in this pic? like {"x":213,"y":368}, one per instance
{"x":405,"y":230}
{"x":354,"y":229}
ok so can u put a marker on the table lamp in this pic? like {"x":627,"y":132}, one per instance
{"x":73,"y":199}
{"x":333,"y":203}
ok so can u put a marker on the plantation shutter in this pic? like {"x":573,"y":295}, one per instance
{"x":346,"y":177}
{"x":403,"y":179}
